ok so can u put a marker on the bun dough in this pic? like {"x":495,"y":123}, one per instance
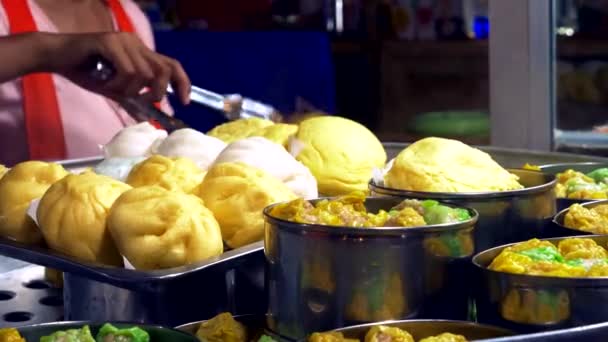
{"x":237,"y":194}
{"x":72,"y":217}
{"x":21,"y":185}
{"x":340,"y":153}
{"x":188,"y":143}
{"x":170,"y":173}
{"x":445,"y":165}
{"x":155,"y":228}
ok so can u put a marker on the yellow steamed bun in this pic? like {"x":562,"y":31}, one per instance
{"x":237,"y":194}
{"x":18,"y":188}
{"x":279,"y":133}
{"x":170,"y":173}
{"x":444,"y":165}
{"x":72,"y":216}
{"x":3,"y":170}
{"x":155,"y":228}
{"x":340,"y":153}
{"x":239,"y":129}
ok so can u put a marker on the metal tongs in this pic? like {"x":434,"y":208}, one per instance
{"x":233,"y":107}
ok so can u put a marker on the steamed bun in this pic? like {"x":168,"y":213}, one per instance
{"x":72,"y":216}
{"x":18,"y":188}
{"x":445,"y":165}
{"x":239,"y":129}
{"x":273,"y":159}
{"x":170,"y":173}
{"x":237,"y":194}
{"x":188,"y":143}
{"x":155,"y":228}
{"x":340,"y":153}
{"x":278,"y":133}
{"x":134,"y":141}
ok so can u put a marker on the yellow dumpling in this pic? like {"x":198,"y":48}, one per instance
{"x":155,"y":228}
{"x":237,"y":194}
{"x":279,"y":133}
{"x":238,"y":129}
{"x":72,"y":217}
{"x":445,"y":165}
{"x":340,"y":153}
{"x":170,"y":173}
{"x":3,"y":170}
{"x":18,"y":188}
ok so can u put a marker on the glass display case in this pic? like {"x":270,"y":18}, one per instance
{"x":549,"y":75}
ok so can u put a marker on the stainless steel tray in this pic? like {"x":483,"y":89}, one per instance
{"x":232,"y":282}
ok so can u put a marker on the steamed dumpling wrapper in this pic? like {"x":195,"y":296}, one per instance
{"x":222,"y":328}
{"x":155,"y":228}
{"x":272,"y":158}
{"x":10,"y":335}
{"x":175,"y":173}
{"x":72,"y":216}
{"x":24,"y":183}
{"x":444,"y":165}
{"x":134,"y":141}
{"x":237,"y":194}
{"x":384,"y":333}
{"x":191,"y":144}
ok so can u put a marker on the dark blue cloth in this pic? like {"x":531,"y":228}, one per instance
{"x":272,"y":67}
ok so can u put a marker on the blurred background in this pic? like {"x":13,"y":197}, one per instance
{"x":404,"y":68}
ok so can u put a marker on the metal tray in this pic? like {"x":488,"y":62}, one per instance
{"x":231,"y":282}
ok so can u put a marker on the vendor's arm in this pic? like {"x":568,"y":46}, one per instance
{"x":137,"y":66}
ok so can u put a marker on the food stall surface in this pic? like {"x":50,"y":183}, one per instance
{"x":25,"y":297}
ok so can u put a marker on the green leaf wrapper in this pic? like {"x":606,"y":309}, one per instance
{"x":599,"y":175}
{"x":550,"y":254}
{"x":72,"y":335}
{"x":133,"y":334}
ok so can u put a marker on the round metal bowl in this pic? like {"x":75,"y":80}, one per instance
{"x":255,"y":324}
{"x":157,"y":334}
{"x":559,"y":229}
{"x":527,"y":303}
{"x":504,"y":217}
{"x":319,"y":278}
{"x":554,"y":169}
{"x":420,"y":329}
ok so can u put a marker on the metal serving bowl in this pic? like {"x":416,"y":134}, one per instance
{"x":420,"y":329}
{"x":157,"y":334}
{"x":559,"y":229}
{"x":320,"y":278}
{"x":527,"y":303}
{"x":554,"y":169}
{"x":504,"y":217}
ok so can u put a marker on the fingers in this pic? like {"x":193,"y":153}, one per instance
{"x":180,"y":79}
{"x":138,"y":67}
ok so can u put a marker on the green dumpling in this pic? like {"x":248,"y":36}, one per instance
{"x":599,"y":175}
{"x":109,"y":333}
{"x":72,"y":335}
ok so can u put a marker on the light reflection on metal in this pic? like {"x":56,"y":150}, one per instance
{"x":339,"y":16}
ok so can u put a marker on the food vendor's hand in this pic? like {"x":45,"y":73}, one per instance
{"x":137,"y":67}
